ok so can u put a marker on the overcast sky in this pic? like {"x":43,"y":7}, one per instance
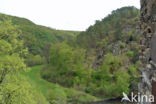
{"x":64,"y":14}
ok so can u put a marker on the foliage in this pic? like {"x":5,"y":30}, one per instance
{"x":66,"y":63}
{"x":112,"y":27}
{"x":111,"y":79}
{"x":54,"y":93}
{"x":14,"y":89}
{"x":69,"y":60}
{"x":117,"y":34}
{"x":111,"y":44}
{"x":17,"y":90}
{"x":10,"y":50}
{"x":32,"y":60}
{"x":36,"y":37}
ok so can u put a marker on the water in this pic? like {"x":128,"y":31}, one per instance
{"x":107,"y":102}
{"x":114,"y":101}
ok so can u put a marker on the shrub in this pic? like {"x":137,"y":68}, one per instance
{"x":111,"y":80}
{"x":35,"y":60}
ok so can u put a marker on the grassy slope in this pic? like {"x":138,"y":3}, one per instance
{"x":36,"y":37}
{"x":44,"y":87}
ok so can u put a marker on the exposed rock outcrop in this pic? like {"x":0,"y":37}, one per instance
{"x":148,"y":48}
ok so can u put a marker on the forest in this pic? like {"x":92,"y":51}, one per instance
{"x":42,"y":65}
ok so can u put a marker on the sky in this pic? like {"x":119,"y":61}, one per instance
{"x":64,"y":14}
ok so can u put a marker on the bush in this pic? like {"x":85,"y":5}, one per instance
{"x":66,"y":65}
{"x":57,"y":98}
{"x":35,"y":60}
{"x":111,"y":80}
{"x":130,"y":54}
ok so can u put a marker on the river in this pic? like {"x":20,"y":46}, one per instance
{"x":113,"y":101}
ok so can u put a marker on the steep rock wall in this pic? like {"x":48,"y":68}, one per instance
{"x":148,"y":48}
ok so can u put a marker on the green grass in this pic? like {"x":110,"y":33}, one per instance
{"x":45,"y":87}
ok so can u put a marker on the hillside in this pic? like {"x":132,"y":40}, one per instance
{"x":36,"y":37}
{"x":68,"y":66}
{"x":54,"y":92}
{"x":104,"y":57}
{"x":117,"y":33}
{"x":115,"y":26}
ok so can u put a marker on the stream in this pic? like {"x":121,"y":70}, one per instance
{"x":112,"y":101}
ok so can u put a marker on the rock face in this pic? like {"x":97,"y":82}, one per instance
{"x":148,"y":48}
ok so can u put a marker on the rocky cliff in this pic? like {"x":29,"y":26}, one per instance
{"x":148,"y":48}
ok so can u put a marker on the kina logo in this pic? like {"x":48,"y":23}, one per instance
{"x":137,"y":98}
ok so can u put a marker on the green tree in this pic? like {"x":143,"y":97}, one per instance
{"x":111,"y":78}
{"x":66,"y":65}
{"x":11,"y":49}
{"x":14,"y":89}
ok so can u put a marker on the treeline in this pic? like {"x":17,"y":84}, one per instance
{"x":38,"y":38}
{"x":119,"y":25}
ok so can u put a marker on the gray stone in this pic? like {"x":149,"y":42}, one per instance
{"x":153,"y":49}
{"x":148,"y":49}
